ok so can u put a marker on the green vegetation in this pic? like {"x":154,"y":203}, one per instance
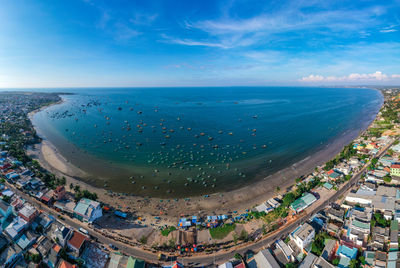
{"x":319,"y":243}
{"x":387,"y":178}
{"x":165,"y":231}
{"x":222,"y":231}
{"x":335,"y":261}
{"x":237,"y":256}
{"x":84,"y":194}
{"x":347,"y":152}
{"x":379,"y":220}
{"x":143,"y":240}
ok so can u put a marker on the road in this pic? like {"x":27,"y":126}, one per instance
{"x":206,"y":260}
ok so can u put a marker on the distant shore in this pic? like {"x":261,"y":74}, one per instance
{"x":245,"y":197}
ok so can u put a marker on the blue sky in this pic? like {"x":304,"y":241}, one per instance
{"x":198,"y":43}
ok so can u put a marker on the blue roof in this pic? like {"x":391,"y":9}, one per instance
{"x":23,"y":242}
{"x":81,"y":208}
{"x":120,"y":214}
{"x":351,"y":253}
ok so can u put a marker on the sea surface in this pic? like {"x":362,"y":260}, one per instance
{"x":174,"y":142}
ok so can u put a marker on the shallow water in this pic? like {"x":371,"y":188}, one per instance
{"x":190,"y":141}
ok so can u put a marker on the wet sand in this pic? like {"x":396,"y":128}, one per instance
{"x":239,"y":199}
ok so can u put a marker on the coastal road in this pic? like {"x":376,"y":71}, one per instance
{"x":219,"y":258}
{"x":201,"y":260}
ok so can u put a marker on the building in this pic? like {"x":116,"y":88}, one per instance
{"x":308,"y":261}
{"x":88,"y":210}
{"x":303,"y":202}
{"x":303,"y":235}
{"x":28,"y":213}
{"x":5,"y":213}
{"x":346,"y":254}
{"x":59,"y":193}
{"x":65,"y":264}
{"x":362,"y":197}
{"x":336,"y":214}
{"x":263,"y":259}
{"x":62,"y":234}
{"x":16,"y":227}
{"x":329,"y":250}
{"x":395,"y":170}
{"x":135,"y":263}
{"x":77,"y":243}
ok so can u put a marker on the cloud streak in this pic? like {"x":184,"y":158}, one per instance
{"x":233,"y":31}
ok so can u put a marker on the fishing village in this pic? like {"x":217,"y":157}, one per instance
{"x":344,"y":213}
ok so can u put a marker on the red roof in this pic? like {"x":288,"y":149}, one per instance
{"x":395,"y":166}
{"x":45,"y":198}
{"x":59,"y":189}
{"x":65,"y":264}
{"x":56,"y":248}
{"x":330,"y":172}
{"x":77,"y":240}
{"x":240,"y":265}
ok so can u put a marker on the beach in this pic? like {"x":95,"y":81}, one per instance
{"x":219,"y":203}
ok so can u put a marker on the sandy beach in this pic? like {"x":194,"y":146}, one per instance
{"x":169,"y":210}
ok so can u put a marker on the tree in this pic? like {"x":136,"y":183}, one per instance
{"x":238,"y":256}
{"x":71,"y":186}
{"x":77,"y":188}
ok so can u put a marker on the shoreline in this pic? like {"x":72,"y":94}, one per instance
{"x":239,"y":199}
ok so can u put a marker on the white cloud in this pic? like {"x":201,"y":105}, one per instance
{"x":230,"y":31}
{"x":354,"y":77}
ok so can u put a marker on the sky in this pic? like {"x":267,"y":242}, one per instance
{"x":89,"y":43}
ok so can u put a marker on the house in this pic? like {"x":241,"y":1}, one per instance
{"x":44,"y":246}
{"x":303,"y":202}
{"x":303,"y":235}
{"x":380,"y":237}
{"x":287,"y":251}
{"x":380,"y":259}
{"x":115,"y":259}
{"x":5,"y":213}
{"x":16,"y":227}
{"x":346,"y":254}
{"x":65,"y":264}
{"x":308,"y":261}
{"x":26,"y":240}
{"x":226,"y":265}
{"x":88,"y":210}
{"x":77,"y":243}
{"x":336,"y":214}
{"x":369,"y":258}
{"x":62,"y":234}
{"x":362,"y":197}
{"x":263,"y":259}
{"x":47,"y":197}
{"x":59,"y":193}
{"x":329,"y":250}
{"x":53,"y":256}
{"x":394,"y":235}
{"x":135,"y":263}
{"x":28,"y":213}
{"x":393,"y":260}
{"x":395,"y":170}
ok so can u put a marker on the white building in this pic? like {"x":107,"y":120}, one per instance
{"x":88,"y":210}
{"x":303,"y":235}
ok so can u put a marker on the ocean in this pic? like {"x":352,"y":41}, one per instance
{"x":175,"y":142}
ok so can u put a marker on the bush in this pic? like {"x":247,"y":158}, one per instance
{"x":221,"y":232}
{"x":165,"y":231}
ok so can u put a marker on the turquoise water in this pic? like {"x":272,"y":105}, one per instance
{"x":189,"y":141}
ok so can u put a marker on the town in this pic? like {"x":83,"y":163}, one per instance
{"x":344,"y":214}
